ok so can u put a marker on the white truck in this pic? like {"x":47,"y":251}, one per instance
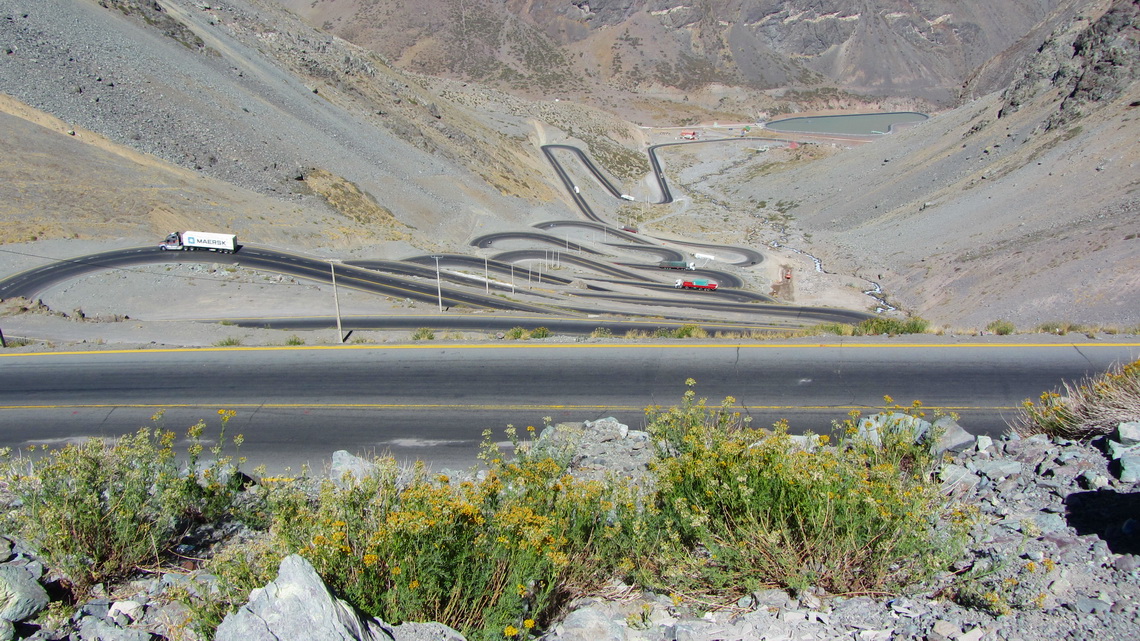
{"x":193,"y":240}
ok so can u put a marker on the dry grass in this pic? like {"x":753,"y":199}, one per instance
{"x":1084,"y":410}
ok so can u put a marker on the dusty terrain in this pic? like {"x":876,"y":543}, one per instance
{"x":236,"y":116}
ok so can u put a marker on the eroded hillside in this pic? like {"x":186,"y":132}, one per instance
{"x":1019,"y":205}
{"x":885,"y":48}
{"x":245,"y":94}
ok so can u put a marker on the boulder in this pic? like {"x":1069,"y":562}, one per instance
{"x":21,"y":596}
{"x":1128,"y":468}
{"x":608,"y":429}
{"x":298,"y":605}
{"x":998,"y":469}
{"x":953,"y":438}
{"x":873,"y":428}
{"x":347,"y":466}
{"x":1117,"y":449}
{"x":1128,"y":434}
{"x":589,"y":624}
{"x":96,"y":629}
{"x":424,"y":632}
{"x":957,"y":480}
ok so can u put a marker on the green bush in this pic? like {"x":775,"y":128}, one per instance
{"x":423,"y":334}
{"x":507,"y":550}
{"x":839,"y":329}
{"x":229,"y":341}
{"x":892,"y":326}
{"x":540,"y":332}
{"x":1059,"y":328}
{"x":98,"y":511}
{"x":294,"y":340}
{"x":602,"y":332}
{"x":740,"y":508}
{"x":517,"y":333}
{"x":1001,"y":328}
{"x":690,"y":331}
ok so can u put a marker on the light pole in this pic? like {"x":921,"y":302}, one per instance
{"x":438,"y":286}
{"x":336,"y":301}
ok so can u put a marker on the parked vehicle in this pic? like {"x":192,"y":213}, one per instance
{"x":676,"y":264}
{"x":194,"y":240}
{"x":706,"y":285}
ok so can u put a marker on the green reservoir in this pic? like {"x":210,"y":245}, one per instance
{"x":855,"y":124}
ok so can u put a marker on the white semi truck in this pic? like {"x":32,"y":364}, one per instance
{"x":192,"y":240}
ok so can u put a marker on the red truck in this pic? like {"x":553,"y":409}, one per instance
{"x":707,"y":285}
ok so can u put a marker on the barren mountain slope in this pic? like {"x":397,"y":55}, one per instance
{"x":1021,"y":205}
{"x":879,"y":47}
{"x":245,"y":93}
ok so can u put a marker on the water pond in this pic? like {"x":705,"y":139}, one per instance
{"x":855,"y":124}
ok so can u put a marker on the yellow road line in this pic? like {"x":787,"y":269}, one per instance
{"x":608,"y":346}
{"x":436,"y":406}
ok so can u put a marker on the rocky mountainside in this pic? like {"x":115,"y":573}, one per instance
{"x":131,"y":118}
{"x":1020,"y":204}
{"x":236,"y":114}
{"x":877,"y":47}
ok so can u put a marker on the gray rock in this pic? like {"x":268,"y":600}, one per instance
{"x":96,"y":629}
{"x":1128,"y":468}
{"x":872,"y":428}
{"x":984,"y":443}
{"x":21,"y":596}
{"x":804,"y":443}
{"x":954,"y":438}
{"x":773,"y":598}
{"x":1087,"y":605}
{"x":424,"y":632}
{"x":973,"y":635}
{"x":297,"y":605}
{"x":1128,"y":434}
{"x":998,"y":469}
{"x":1127,"y":563}
{"x":1118,"y":450}
{"x":590,"y":624}
{"x":957,"y":480}
{"x":346,"y":466}
{"x":1049,"y":523}
{"x":943,"y":631}
{"x":792,"y":616}
{"x":608,"y":429}
{"x":126,"y":612}
{"x":1090,"y":480}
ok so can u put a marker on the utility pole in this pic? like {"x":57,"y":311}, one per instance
{"x":486,"y":275}
{"x":438,"y":286}
{"x":336,"y":302}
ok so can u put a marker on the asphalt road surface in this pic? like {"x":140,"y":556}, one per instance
{"x":432,"y":402}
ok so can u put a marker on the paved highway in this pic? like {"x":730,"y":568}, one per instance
{"x":297,"y":405}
